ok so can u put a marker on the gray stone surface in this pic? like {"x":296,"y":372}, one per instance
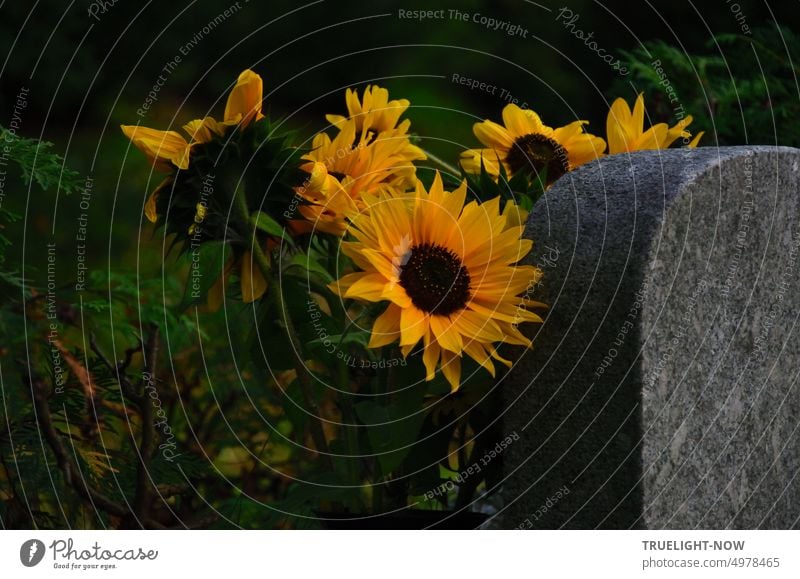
{"x":662,"y":390}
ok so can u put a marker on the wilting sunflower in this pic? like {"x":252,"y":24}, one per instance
{"x":200,"y":188}
{"x":169,"y":149}
{"x":625,"y":129}
{"x":243,"y":106}
{"x":524,"y":144}
{"x":370,"y":153}
{"x":448,"y":272}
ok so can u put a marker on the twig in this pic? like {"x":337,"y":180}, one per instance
{"x":123,"y":364}
{"x":63,"y":459}
{"x":442,"y":163}
{"x":143,"y":497}
{"x":118,"y":370}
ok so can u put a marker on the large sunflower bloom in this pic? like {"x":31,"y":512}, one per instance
{"x":448,"y":272}
{"x":168,"y":149}
{"x":524,"y":144}
{"x":625,"y":129}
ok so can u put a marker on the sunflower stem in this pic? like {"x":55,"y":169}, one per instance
{"x":276,"y":294}
{"x":443,"y":164}
{"x":379,"y":484}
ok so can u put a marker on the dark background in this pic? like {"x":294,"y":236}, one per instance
{"x":86,"y":77}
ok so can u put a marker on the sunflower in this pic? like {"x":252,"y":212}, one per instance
{"x":172,"y":152}
{"x":448,"y":272}
{"x":625,"y":129}
{"x":169,"y":149}
{"x":375,"y":112}
{"x":370,"y":153}
{"x":524,"y":144}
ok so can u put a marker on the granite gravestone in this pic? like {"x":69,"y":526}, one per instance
{"x":662,"y":390}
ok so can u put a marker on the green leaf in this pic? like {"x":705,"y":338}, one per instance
{"x":40,"y":164}
{"x":393,"y":425}
{"x":267,"y":224}
{"x":309,"y":264}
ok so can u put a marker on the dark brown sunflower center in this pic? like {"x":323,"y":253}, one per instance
{"x":435,"y":279}
{"x":535,"y":153}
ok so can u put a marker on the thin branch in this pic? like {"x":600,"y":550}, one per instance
{"x":63,"y":458}
{"x":123,"y":364}
{"x":443,"y":164}
{"x":118,"y":370}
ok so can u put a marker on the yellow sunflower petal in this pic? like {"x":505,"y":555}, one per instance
{"x":499,"y":358}
{"x":203,"y":130}
{"x":150,"y":207}
{"x":490,"y":159}
{"x":335,"y":120}
{"x":413,"y":326}
{"x":637,"y":118}
{"x":446,"y":334}
{"x":620,"y":133}
{"x":678,"y":131}
{"x":430,"y":357}
{"x":368,"y":287}
{"x":451,"y":368}
{"x":386,"y":328}
{"x":696,"y":140}
{"x":653,"y":138}
{"x":515,"y":215}
{"x":395,"y":293}
{"x":244,"y":102}
{"x":168,"y":145}
{"x":477,"y":352}
{"x":493,"y":136}
{"x":521,"y":122}
{"x":468,"y":278}
{"x":567,"y":132}
{"x":584,"y":148}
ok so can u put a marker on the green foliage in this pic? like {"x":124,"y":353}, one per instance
{"x":522,"y":189}
{"x":260,"y":160}
{"x":742,"y":89}
{"x":39,"y":163}
{"x":9,"y":278}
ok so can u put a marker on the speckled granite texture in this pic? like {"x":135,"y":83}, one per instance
{"x":662,"y":389}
